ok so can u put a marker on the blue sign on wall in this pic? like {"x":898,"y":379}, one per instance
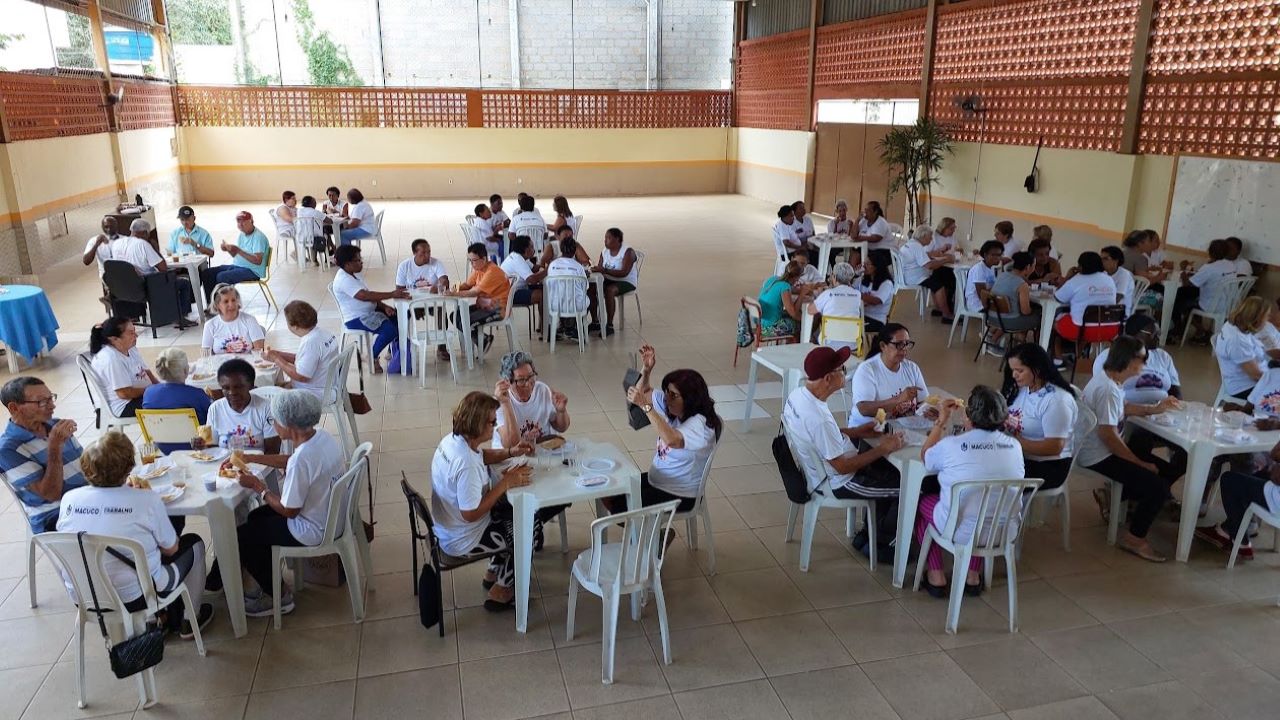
{"x":129,"y":45}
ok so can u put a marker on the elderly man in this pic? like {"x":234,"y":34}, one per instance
{"x":136,"y":250}
{"x":39,"y":456}
{"x":189,"y":237}
{"x":249,"y":258}
{"x":99,"y":246}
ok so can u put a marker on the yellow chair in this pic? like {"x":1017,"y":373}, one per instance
{"x":847,"y":330}
{"x":263,"y":283}
{"x":168,"y":426}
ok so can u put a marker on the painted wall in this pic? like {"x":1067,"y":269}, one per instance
{"x":224,"y":164}
{"x":773,"y":165}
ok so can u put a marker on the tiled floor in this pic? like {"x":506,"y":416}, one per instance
{"x":1102,"y":634}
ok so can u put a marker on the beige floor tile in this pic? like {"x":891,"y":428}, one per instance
{"x":928,"y":687}
{"x":747,"y":479}
{"x":1016,"y":674}
{"x":1169,"y":700}
{"x":391,"y":595}
{"x":978,"y":622}
{"x":723,"y":517}
{"x":34,"y":640}
{"x":657,"y":708}
{"x":226,"y":670}
{"x":1099,"y":659}
{"x":515,"y":686}
{"x":216,"y":709}
{"x":589,"y":620}
{"x":1251,"y":630}
{"x":745,"y":701}
{"x":333,"y":700}
{"x":399,"y":644}
{"x":635,"y":673}
{"x":758,"y":593}
{"x":706,"y":656}
{"x":826,"y":547}
{"x":20,"y":685}
{"x":307,"y":657}
{"x":318,"y":606}
{"x":1243,"y":694}
{"x":1110,"y":596}
{"x":765,"y":509}
{"x":878,"y":631}
{"x":1181,"y":647}
{"x":833,"y":694}
{"x":484,"y":634}
{"x":1084,"y":708}
{"x":836,"y":584}
{"x":51,"y":597}
{"x":410,"y":694}
{"x":106,"y":695}
{"x":1041,"y":608}
{"x":690,"y":603}
{"x":737,"y":550}
{"x":793,"y":643}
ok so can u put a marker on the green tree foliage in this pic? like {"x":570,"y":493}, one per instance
{"x":328,"y":63}
{"x":80,"y":53}
{"x":199,"y":22}
{"x":914,"y":154}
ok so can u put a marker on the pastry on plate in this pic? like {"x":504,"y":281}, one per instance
{"x":201,"y":456}
{"x":139,"y":482}
{"x":552,"y":443}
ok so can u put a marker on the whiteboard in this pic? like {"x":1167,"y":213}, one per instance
{"x":1216,"y":198}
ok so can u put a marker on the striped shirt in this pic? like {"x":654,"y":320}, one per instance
{"x":23,"y":459}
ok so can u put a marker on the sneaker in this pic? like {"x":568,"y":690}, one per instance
{"x":593,"y":328}
{"x":203,"y":618}
{"x":261,"y":606}
{"x":608,"y":330}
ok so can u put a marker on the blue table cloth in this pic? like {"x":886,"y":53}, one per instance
{"x":27,"y":323}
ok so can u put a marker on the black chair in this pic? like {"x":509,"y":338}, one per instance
{"x":992,"y":319}
{"x":440,"y":561}
{"x":1096,"y":316}
{"x":151,"y":299}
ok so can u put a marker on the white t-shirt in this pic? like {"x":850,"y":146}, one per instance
{"x":837,"y":227}
{"x":1212,"y":279}
{"x":253,"y":423}
{"x":810,"y":276}
{"x":914,"y":259}
{"x":535,"y":414}
{"x":1156,"y":257}
{"x":1123,"y":280}
{"x":879,"y":312}
{"x":879,"y":227}
{"x":1234,"y":348}
{"x":1153,"y":383}
{"x":1081,"y":291}
{"x":103,"y":253}
{"x":784,"y":238}
{"x":973,"y":455}
{"x":1105,"y":398}
{"x":315,"y":360}
{"x":1011,"y":246}
{"x":458,"y":482}
{"x":284,"y":227}
{"x":499,"y":219}
{"x":137,"y":252}
{"x":485,"y":225}
{"x":1269,"y":336}
{"x":315,"y":219}
{"x":803,"y":228}
{"x":123,"y":512}
{"x":939,"y":243}
{"x":978,"y":274}
{"x":679,"y":470}
{"x":562,"y":299}
{"x":1049,"y":412}
{"x":873,"y":381}
{"x":345,"y":287}
{"x":1243,"y":267}
{"x":363,"y":212}
{"x":1265,"y":396}
{"x":839,"y":301}
{"x":530,"y":225}
{"x":810,"y":420}
{"x":116,"y":370}
{"x":237,"y":336}
{"x":409,"y":274}
{"x":313,"y":468}
{"x":518,"y":266}
{"x":613,"y":261}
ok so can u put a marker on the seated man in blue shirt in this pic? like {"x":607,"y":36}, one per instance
{"x":249,"y":258}
{"x":39,"y":456}
{"x":190,"y":238}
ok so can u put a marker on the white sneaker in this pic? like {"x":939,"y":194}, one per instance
{"x":261,"y":606}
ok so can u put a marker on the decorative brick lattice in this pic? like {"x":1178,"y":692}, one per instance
{"x":772,"y":76}
{"x":604,"y":109}
{"x":200,"y":105}
{"x":1198,"y":36}
{"x":46,"y":106}
{"x":145,"y":105}
{"x":1083,"y":115}
{"x":882,"y":50}
{"x":1237,"y":118}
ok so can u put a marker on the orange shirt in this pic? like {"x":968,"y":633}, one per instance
{"x":492,"y":283}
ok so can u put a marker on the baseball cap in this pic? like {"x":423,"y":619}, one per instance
{"x":185,"y":212}
{"x":823,"y":360}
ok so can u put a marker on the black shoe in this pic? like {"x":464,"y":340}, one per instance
{"x":940,"y":592}
{"x":935,"y":313}
{"x":948,"y":321}
{"x":608,"y":330}
{"x":538,"y":538}
{"x":488,"y":340}
{"x":203,"y":618}
{"x":860,"y":542}
{"x":593,"y":328}
{"x":975,"y":590}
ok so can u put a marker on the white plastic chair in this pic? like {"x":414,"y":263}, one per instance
{"x":339,"y":538}
{"x":900,"y":282}
{"x":1086,"y":422}
{"x":505,"y":321}
{"x":362,"y":337}
{"x":622,"y":308}
{"x":63,"y":548}
{"x":431,"y":330}
{"x":31,"y":545}
{"x":700,"y":510}
{"x":304,"y":229}
{"x":1253,"y":512}
{"x":577,"y":230}
{"x":337,"y":402}
{"x":962,"y":310}
{"x":283,"y":240}
{"x":565,"y":296}
{"x":470,"y":233}
{"x":1001,"y":507}
{"x":821,"y":497}
{"x":98,"y":397}
{"x":1140,"y":287}
{"x":1236,"y":289}
{"x":611,"y":570}
{"x":376,"y":234}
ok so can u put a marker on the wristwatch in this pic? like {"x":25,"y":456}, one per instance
{"x":646,"y":408}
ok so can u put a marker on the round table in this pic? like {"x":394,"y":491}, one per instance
{"x":208,"y":366}
{"x":27,"y":324}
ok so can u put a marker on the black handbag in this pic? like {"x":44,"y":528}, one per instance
{"x":428,"y":596}
{"x":132,"y":656}
{"x":636,"y":416}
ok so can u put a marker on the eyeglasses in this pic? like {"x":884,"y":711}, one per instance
{"x":43,"y":402}
{"x":474,"y":260}
{"x":524,"y":380}
{"x":904,"y":344}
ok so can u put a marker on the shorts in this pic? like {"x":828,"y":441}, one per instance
{"x":523,"y":296}
{"x":622,"y":285}
{"x":1068,"y":330}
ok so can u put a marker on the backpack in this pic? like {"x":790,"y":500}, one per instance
{"x":429,"y":596}
{"x":746,"y":332}
{"x":793,"y":479}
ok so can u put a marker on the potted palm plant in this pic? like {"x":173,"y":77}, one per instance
{"x":914,"y":154}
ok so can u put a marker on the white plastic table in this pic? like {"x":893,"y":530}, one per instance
{"x":785,"y":360}
{"x":209,"y":364}
{"x":1194,"y":432}
{"x":826,"y":242}
{"x":1048,"y":310}
{"x":191,"y":264}
{"x":556,"y":484}
{"x":461,"y":304}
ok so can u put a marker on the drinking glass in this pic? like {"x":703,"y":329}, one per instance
{"x":149,"y":452}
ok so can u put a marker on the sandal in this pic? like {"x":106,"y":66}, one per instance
{"x":1215,"y":537}
{"x":1146,"y":553}
{"x":1102,"y":496}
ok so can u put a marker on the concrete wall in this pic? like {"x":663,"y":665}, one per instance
{"x":224,"y":164}
{"x":773,"y":165}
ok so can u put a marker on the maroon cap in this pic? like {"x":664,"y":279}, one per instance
{"x":823,"y":360}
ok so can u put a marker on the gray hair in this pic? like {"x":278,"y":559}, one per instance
{"x":139,"y":226}
{"x":987,"y":409}
{"x":172,"y":365}
{"x":513,"y":360}
{"x":842,"y":203}
{"x":944,"y":224}
{"x":297,"y":409}
{"x":222,"y":289}
{"x":843,"y":273}
{"x":16,"y":389}
{"x":921,"y":232}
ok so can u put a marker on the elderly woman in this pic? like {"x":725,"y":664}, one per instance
{"x":780,"y":302}
{"x":362,"y":308}
{"x":529,"y":409}
{"x":1042,"y":413}
{"x":463,"y":500}
{"x":840,"y":224}
{"x":942,"y":234}
{"x":296,"y":516}
{"x":309,"y":368}
{"x":118,"y":365}
{"x":928,"y":269}
{"x":887,"y":380}
{"x":107,"y":506}
{"x":1239,"y":350}
{"x":231,"y":331}
{"x":361,"y":222}
{"x":173,"y":392}
{"x":240,"y":419}
{"x":841,"y":300}
{"x":981,"y":452}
